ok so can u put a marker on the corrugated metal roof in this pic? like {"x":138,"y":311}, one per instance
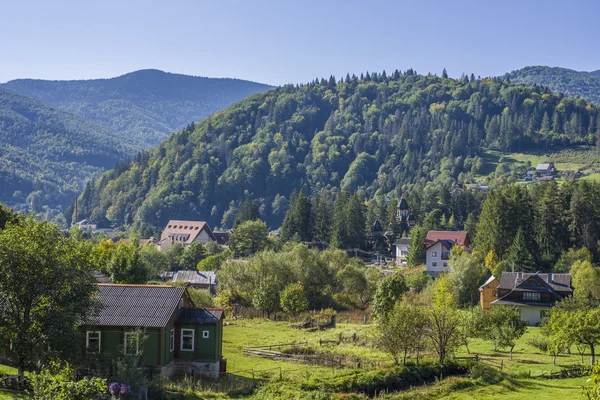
{"x":195,"y":277}
{"x":148,"y":306}
{"x":403,"y":241}
{"x":199,"y":315}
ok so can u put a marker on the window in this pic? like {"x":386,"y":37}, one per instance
{"x":172,"y":340}
{"x":403,"y":253}
{"x":445,"y":265}
{"x":132,"y":343}
{"x":494,"y":293}
{"x":543,"y":314}
{"x":92,"y":341}
{"x":205,"y":334}
{"x":434,"y":254}
{"x":531,"y":296}
{"x":434,"y":264}
{"x":446,"y":254}
{"x":187,"y":340}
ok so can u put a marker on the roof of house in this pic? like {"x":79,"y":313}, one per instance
{"x":403,"y":241}
{"x":222,"y":237}
{"x":543,"y":167}
{"x":403,"y":205}
{"x":491,"y":279}
{"x":147,"y":306}
{"x":189,"y":229}
{"x":457,"y":237}
{"x":195,"y":277}
{"x":200,"y":315}
{"x":558,"y":282}
{"x":558,"y":285}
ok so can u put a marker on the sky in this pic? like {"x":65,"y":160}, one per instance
{"x":286,"y":41}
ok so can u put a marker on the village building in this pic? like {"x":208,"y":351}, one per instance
{"x":197,"y":279}
{"x":545,"y":170}
{"x":402,"y":248}
{"x":488,"y":292}
{"x":185,"y":233}
{"x":532,"y":293}
{"x":438,"y":245}
{"x":160,"y":325}
{"x":404,"y":217}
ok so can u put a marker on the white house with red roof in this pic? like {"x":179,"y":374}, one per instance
{"x":438,"y":245}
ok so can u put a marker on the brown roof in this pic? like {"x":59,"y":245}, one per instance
{"x":458,"y":237}
{"x":189,"y":229}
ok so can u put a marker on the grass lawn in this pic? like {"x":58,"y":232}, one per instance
{"x":8,"y":394}
{"x":582,"y":157}
{"x":526,"y":360}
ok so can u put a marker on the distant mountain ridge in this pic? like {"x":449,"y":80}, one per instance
{"x":573,"y":83}
{"x":47,"y":154}
{"x":145,"y":105}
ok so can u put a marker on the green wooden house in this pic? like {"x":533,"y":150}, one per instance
{"x":160,"y":325}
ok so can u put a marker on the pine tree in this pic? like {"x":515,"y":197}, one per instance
{"x":354,"y":215}
{"x":322,"y":220}
{"x":248,"y":211}
{"x":417,"y":254}
{"x":519,"y":254}
{"x":444,"y":74}
{"x":339,"y":235}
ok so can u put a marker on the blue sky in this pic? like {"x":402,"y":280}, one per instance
{"x":283,"y":41}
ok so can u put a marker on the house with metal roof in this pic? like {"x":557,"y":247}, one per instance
{"x":402,"y":246}
{"x":532,"y":293}
{"x":546,"y":169}
{"x":157,"y":324}
{"x":197,"y":279}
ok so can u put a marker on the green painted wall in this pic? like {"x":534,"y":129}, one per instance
{"x":205,"y":349}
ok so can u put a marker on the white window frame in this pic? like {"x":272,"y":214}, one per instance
{"x":205,"y":334}
{"x":185,"y":333}
{"x":137,"y":343}
{"x":172,"y":340}
{"x":87,"y":340}
{"x":434,"y":254}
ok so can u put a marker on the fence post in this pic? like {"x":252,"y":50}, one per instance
{"x":280,"y":374}
{"x":502,"y":364}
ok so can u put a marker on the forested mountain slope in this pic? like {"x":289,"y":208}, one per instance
{"x":563,"y":80}
{"x":377,"y":134}
{"x":145,"y":105}
{"x":47,"y":155}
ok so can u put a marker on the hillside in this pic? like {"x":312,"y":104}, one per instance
{"x":595,"y":73}
{"x":561,"y":80}
{"x":378,"y":134}
{"x":145,"y":105}
{"x":47,"y":155}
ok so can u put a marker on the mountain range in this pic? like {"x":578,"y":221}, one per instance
{"x":145,"y":105}
{"x":381,"y":135}
{"x":57,"y":135}
{"x":561,"y":80}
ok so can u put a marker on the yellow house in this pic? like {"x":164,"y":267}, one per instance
{"x":488,"y":292}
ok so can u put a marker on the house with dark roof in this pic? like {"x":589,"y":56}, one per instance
{"x":158,"y":324}
{"x":437,"y":248}
{"x":185,"y":233}
{"x":532,"y":293}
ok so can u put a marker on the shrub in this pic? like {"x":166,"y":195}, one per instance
{"x":57,"y":382}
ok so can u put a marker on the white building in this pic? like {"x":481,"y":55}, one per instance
{"x":402,"y":249}
{"x":185,"y":233}
{"x":438,"y":245}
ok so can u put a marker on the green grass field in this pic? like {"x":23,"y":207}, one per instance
{"x":527,"y":361}
{"x":584,"y":158}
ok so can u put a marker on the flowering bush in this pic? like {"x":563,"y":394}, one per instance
{"x":119,"y":389}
